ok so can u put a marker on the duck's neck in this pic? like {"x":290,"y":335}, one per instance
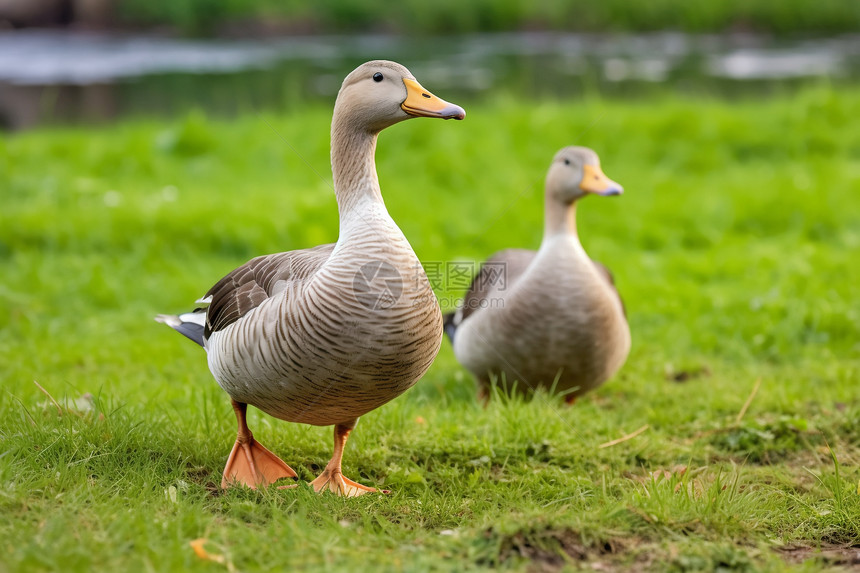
{"x":353,"y":166}
{"x":559,"y":219}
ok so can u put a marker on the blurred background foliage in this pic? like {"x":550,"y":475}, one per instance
{"x":217,"y":17}
{"x":454,"y":16}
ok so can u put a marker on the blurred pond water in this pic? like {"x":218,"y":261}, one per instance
{"x":49,"y":77}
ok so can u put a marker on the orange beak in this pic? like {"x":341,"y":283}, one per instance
{"x":421,"y":103}
{"x":595,"y":181}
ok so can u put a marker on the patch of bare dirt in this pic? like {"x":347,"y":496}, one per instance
{"x":550,"y":550}
{"x":842,"y":556}
{"x":685,"y":375}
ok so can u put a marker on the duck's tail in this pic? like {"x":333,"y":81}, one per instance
{"x":450,"y":322}
{"x":189,"y":324}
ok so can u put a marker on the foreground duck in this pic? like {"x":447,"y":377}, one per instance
{"x":551,"y":316}
{"x":324,"y":335}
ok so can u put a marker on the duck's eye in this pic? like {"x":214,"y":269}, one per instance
{"x":567,"y":161}
{"x":377,"y":77}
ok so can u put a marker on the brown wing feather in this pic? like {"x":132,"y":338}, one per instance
{"x":246,"y":287}
{"x":499,"y":272}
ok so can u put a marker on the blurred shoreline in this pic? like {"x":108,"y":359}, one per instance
{"x":59,"y":77}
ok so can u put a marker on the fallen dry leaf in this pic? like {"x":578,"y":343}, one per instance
{"x":200,"y":551}
{"x":197,"y":546}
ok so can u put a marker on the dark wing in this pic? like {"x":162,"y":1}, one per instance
{"x":498,"y":273}
{"x":606,"y":274}
{"x":245,"y":288}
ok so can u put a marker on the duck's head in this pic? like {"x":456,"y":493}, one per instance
{"x":575,"y":172}
{"x":380,"y":93}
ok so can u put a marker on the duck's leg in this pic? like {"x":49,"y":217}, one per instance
{"x":332,"y":478}
{"x":250,"y":463}
{"x":484,"y":394}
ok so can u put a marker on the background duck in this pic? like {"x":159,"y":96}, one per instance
{"x":324,"y":335}
{"x":551,"y":317}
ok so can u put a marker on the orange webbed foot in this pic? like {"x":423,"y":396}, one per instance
{"x":254,"y":466}
{"x":335,"y":482}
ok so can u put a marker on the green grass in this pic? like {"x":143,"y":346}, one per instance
{"x":449,"y":16}
{"x":735,"y":247}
